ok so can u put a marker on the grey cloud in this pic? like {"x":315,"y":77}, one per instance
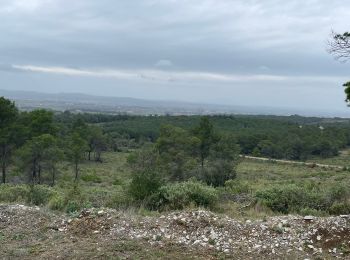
{"x":227,"y":37}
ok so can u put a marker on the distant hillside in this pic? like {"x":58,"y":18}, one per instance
{"x":76,"y":102}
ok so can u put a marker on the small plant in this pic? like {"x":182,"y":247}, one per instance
{"x":277,"y":229}
{"x":56,"y":202}
{"x":93,"y":177}
{"x":72,"y":206}
{"x":211,"y":242}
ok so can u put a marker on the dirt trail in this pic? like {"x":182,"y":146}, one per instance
{"x":309,"y":164}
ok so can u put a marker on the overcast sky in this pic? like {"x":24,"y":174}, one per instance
{"x":239,"y":52}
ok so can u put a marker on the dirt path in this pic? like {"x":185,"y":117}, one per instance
{"x":309,"y":164}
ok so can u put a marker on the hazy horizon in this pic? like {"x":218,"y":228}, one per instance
{"x":239,"y":53}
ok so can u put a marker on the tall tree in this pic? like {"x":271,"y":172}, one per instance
{"x":8,"y":116}
{"x":205,"y":133}
{"x":222,"y":161}
{"x":76,"y":149}
{"x":41,"y":122}
{"x":177,"y":149}
{"x":37,"y":155}
{"x":96,"y":141}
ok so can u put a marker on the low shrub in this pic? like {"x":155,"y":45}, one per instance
{"x":340,"y":208}
{"x":144,"y":184}
{"x":14,"y":193}
{"x":218,"y":173}
{"x":312,"y":212}
{"x":73,"y":206}
{"x":93,"y":177}
{"x":40,"y":194}
{"x":295,"y":198}
{"x":283,"y":198}
{"x":57,"y":202}
{"x":180,"y":195}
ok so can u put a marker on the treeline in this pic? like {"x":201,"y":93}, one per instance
{"x":294,"y":137}
{"x":35,"y":142}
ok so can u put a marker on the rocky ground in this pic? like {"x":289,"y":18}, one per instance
{"x":35,"y":233}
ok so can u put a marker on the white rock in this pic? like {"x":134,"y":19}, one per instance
{"x":308,"y":218}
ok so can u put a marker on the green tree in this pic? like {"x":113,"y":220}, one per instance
{"x":38,"y":154}
{"x":8,"y":117}
{"x":75,"y":151}
{"x":177,"y":150}
{"x":97,"y":142}
{"x":205,"y":133}
{"x":147,"y":177}
{"x":41,"y":122}
{"x":222,"y":161}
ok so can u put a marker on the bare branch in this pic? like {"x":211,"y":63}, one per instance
{"x":339,"y":46}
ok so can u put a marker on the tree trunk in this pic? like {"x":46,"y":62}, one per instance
{"x":34,"y":172}
{"x":53,"y":176}
{"x":39,"y":174}
{"x":3,"y":165}
{"x":3,"y":168}
{"x":202,"y":162}
{"x":76,"y":171}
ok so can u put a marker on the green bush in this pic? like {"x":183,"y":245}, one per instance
{"x":312,"y":212}
{"x":283,"y":199}
{"x":340,"y":208}
{"x":218,"y":172}
{"x":183,"y":194}
{"x":40,"y":194}
{"x":14,"y":193}
{"x":144,"y":184}
{"x":295,"y":198}
{"x":73,"y":206}
{"x":57,"y":202}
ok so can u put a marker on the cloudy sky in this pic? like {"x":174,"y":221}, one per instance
{"x":239,"y":52}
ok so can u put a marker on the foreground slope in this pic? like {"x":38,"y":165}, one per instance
{"x":33,"y":232}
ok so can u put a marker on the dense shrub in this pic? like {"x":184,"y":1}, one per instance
{"x":284,"y":198}
{"x":144,"y":184}
{"x":183,"y":194}
{"x":295,"y":198}
{"x":340,"y":208}
{"x":57,"y":202}
{"x":40,"y":194}
{"x":218,"y":173}
{"x":14,"y":193}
